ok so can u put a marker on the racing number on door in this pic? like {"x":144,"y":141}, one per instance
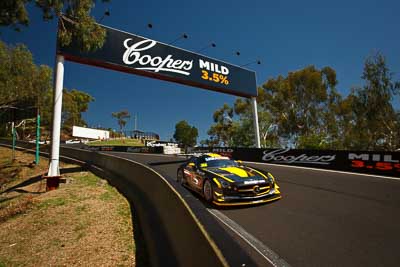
{"x":193,"y":178}
{"x":196,"y":179}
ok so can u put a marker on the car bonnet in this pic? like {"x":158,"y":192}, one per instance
{"x":236,"y":174}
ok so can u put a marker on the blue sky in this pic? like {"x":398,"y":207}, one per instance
{"x":284,"y":35}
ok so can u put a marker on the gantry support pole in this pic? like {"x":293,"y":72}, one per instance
{"x":255,"y":121}
{"x":54,"y":169}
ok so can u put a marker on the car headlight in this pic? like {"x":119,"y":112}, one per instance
{"x":271,"y":179}
{"x":224,"y":183}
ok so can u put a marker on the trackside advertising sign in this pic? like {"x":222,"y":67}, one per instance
{"x":383,"y":163}
{"x":131,"y":53}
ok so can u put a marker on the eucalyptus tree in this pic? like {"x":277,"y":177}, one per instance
{"x":222,"y":130}
{"x":186,"y":134}
{"x":122,"y":117}
{"x":75,"y":20}
{"x":24,"y":85}
{"x":375,"y":122}
{"x":303,"y":104}
{"x":75,"y":102}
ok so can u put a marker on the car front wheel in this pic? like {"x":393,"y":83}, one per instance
{"x":180,"y":177}
{"x":208,"y":191}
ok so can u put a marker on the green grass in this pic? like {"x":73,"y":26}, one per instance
{"x":4,"y":201}
{"x":53,"y":202}
{"x":5,"y":161}
{"x":7,"y":263}
{"x":88,"y":180}
{"x":117,"y":142}
{"x":70,"y":210}
{"x":124,"y":212}
{"x":81,"y":226}
{"x":106,"y":196}
{"x":81,"y":209}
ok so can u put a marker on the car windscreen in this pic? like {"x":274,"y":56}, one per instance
{"x":220,"y":163}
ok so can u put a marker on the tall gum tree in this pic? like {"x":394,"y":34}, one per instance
{"x":374,"y":122}
{"x":75,"y":20}
{"x":303,"y":104}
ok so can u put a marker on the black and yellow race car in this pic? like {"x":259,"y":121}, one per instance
{"x":225,"y":182}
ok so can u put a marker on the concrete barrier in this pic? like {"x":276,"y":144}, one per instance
{"x":172,"y":233}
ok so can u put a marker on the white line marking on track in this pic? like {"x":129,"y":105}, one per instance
{"x":257,"y":245}
{"x":324,"y":170}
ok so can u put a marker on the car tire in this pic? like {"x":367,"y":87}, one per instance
{"x":208,"y":191}
{"x":180,"y":177}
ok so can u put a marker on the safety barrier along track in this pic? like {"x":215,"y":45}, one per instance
{"x":172,"y":234}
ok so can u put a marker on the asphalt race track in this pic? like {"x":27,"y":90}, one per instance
{"x":323,"y":219}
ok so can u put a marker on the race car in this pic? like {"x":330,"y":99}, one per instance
{"x":225,"y":182}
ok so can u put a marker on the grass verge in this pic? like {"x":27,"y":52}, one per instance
{"x":117,"y":142}
{"x":84,"y":222}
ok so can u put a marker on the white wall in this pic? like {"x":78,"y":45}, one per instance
{"x":83,"y":132}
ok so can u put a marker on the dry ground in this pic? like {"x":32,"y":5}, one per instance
{"x":85,"y":222}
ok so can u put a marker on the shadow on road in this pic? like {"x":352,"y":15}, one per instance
{"x":166,"y":162}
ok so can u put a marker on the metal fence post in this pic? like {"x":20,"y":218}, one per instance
{"x":37,"y":139}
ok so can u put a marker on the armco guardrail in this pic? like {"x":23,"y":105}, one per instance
{"x":173,"y":235}
{"x":372,"y":162}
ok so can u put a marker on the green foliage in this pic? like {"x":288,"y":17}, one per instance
{"x":18,"y":75}
{"x":121,"y":117}
{"x":288,"y":107}
{"x":74,"y":103}
{"x":267,"y":126}
{"x":304,"y":110}
{"x":24,"y":85}
{"x":222,"y":130}
{"x":75,"y":21}
{"x":312,"y":141}
{"x":300,"y":104}
{"x":185,"y":134}
{"x":372,"y":122}
{"x":13,"y":12}
{"x":229,"y":132}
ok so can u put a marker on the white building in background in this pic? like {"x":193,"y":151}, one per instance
{"x":90,"y":133}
